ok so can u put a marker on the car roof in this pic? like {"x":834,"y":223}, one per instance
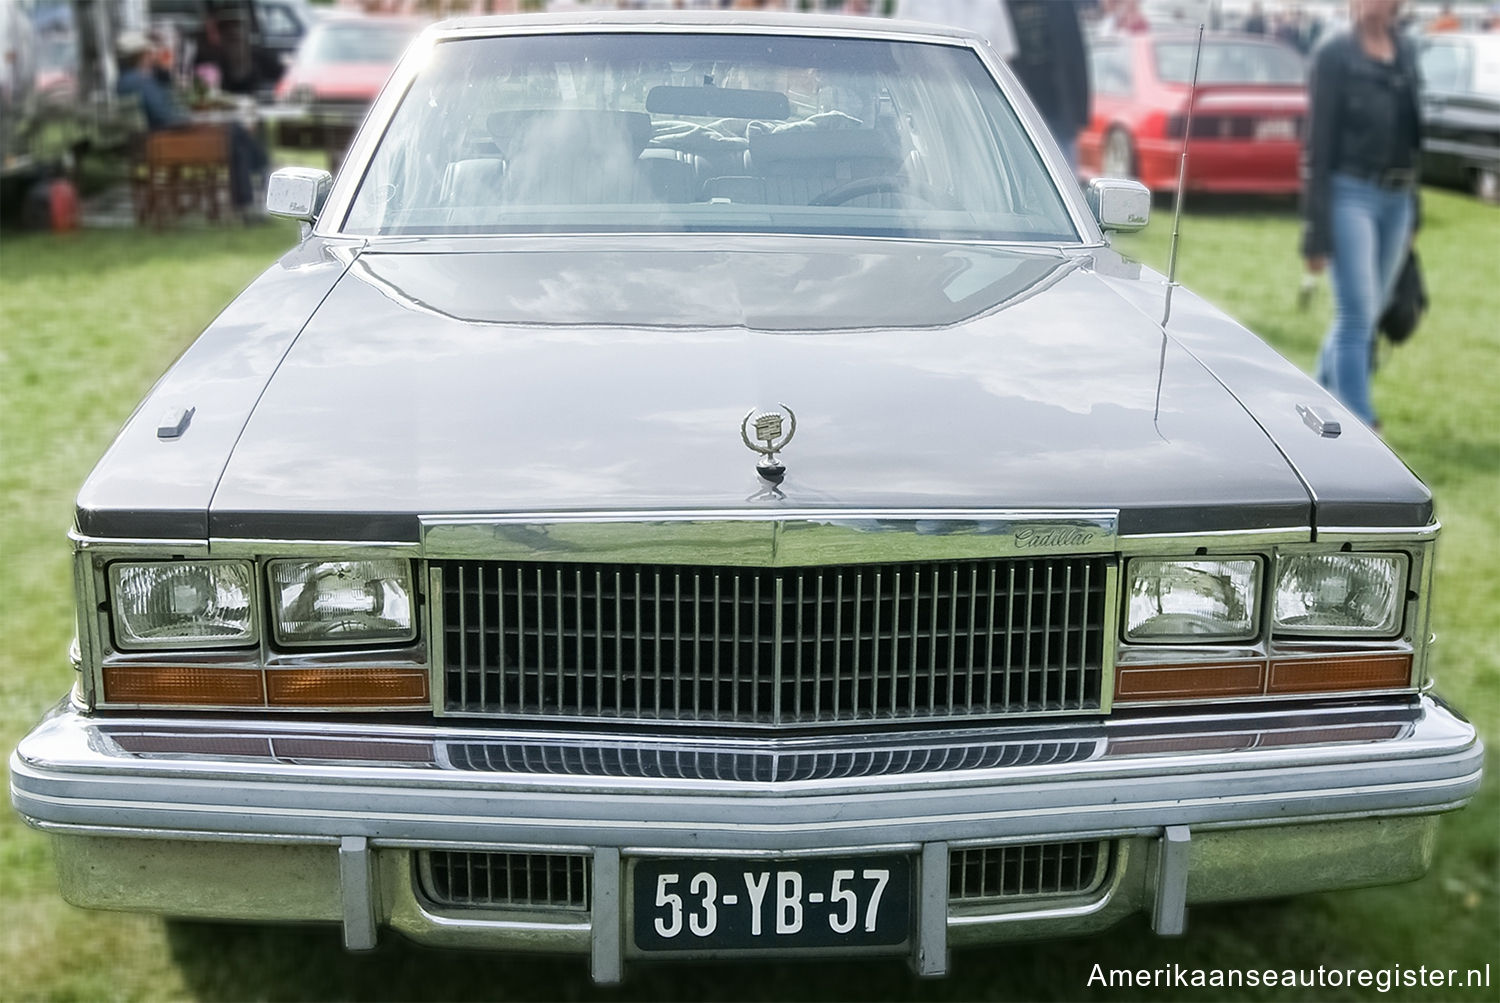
{"x":669,"y":20}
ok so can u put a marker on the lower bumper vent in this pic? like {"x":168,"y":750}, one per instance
{"x":460,"y":879}
{"x":1036,"y":870}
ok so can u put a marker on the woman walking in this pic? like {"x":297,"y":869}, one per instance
{"x":1359,"y":191}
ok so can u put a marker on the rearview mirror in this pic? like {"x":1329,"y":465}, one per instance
{"x":297,"y":193}
{"x":1120,"y":204}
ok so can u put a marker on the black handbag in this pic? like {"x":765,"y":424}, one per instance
{"x":1407,"y":304}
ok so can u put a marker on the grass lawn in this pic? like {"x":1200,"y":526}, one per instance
{"x":88,"y":321}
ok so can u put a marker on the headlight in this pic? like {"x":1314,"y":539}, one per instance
{"x":183,"y":604}
{"x":1338,"y":595}
{"x":341,"y":602}
{"x":1198,"y":600}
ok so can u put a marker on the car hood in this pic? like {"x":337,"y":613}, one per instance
{"x":452,"y":378}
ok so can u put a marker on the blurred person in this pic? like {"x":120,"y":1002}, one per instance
{"x":139,"y":79}
{"x":1359,"y":191}
{"x":1051,"y":63}
{"x":1446,"y":21}
{"x":225,"y":43}
{"x":158,"y":104}
{"x":1255,"y":21}
{"x":1122,"y":17}
{"x":1285,"y":30}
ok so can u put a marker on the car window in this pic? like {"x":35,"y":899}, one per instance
{"x":1230,"y":63}
{"x":681,"y":132}
{"x":1110,"y":69}
{"x":358,"y":43}
{"x":1447,"y":67}
{"x":277,"y":21}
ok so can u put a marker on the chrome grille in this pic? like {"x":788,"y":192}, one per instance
{"x":469,"y":880}
{"x":753,"y":766}
{"x":773,"y":646}
{"x":1034,"y":870}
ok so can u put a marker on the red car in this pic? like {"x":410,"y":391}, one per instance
{"x":344,"y":60}
{"x":1247,"y":121}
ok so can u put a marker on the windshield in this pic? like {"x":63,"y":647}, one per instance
{"x":358,"y":43}
{"x":729,"y":133}
{"x":1230,"y":63}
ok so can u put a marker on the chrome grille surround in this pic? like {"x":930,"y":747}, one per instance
{"x":978,"y":874}
{"x":464,"y":879}
{"x":937,"y":640}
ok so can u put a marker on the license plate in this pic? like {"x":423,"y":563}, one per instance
{"x":718,"y":904}
{"x":1275,"y":128}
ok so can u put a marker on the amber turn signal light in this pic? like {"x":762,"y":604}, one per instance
{"x":1286,"y":676}
{"x":362,"y":686}
{"x":180,"y":685}
{"x":1189,"y":680}
{"x":1342,"y":672}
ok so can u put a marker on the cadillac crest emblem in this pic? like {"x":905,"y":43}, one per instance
{"x":768,"y":432}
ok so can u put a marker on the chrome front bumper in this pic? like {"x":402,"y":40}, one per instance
{"x":296,"y":819}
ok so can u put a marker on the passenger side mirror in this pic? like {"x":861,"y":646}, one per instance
{"x":1120,"y":204}
{"x":297,"y":193}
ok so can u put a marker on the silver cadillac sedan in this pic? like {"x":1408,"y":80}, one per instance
{"x":706,"y":487}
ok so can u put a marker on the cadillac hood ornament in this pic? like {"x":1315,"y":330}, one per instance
{"x":768,"y":432}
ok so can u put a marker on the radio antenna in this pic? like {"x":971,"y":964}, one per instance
{"x":1187,"y":132}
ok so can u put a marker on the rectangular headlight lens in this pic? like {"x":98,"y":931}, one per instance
{"x":341,"y":602}
{"x":1339,"y":595}
{"x":183,"y":604}
{"x":1192,"y":600}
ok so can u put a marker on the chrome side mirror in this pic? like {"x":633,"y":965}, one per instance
{"x":298,"y":193}
{"x":1120,"y":204}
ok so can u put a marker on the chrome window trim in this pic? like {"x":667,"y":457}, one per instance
{"x":341,"y":197}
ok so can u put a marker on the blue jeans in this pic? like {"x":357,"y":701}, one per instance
{"x":1371,"y":231}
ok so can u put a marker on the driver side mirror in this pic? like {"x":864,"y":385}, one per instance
{"x":298,"y":193}
{"x":1119,"y":204}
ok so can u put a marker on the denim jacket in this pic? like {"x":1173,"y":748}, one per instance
{"x":1353,"y":125}
{"x":157,"y":103}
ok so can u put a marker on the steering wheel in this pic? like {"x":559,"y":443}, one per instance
{"x":885,"y":183}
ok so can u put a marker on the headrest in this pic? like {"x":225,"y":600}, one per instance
{"x":571,"y":130}
{"x":822,"y":144}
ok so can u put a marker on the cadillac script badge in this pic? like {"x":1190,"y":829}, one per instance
{"x":768,"y":432}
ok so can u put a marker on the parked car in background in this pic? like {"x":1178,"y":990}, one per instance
{"x":704,"y":486}
{"x":284,"y":24}
{"x":345,"y":60}
{"x":1461,"y":112}
{"x":1247,"y":120}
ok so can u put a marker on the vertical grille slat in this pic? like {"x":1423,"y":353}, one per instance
{"x":1028,"y":871}
{"x":765,"y":646}
{"x":466,"y":879}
